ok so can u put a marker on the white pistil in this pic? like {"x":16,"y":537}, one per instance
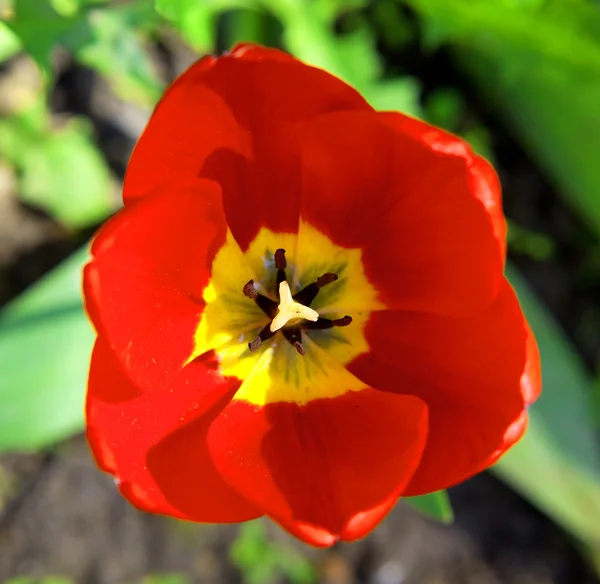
{"x":290,"y":310}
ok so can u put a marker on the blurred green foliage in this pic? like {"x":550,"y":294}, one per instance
{"x":165,"y":579}
{"x":435,"y":505}
{"x":535,"y":62}
{"x":557,"y":463}
{"x":60,"y":169}
{"x":45,"y":347}
{"x":538,"y":62}
{"x":263,"y":561}
{"x":107,"y":38}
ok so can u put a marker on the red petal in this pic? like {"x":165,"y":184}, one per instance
{"x":531,"y":380}
{"x":469,"y":372}
{"x":484,"y":180}
{"x":325,"y":471}
{"x":155,"y":445}
{"x":512,"y":435}
{"x":252,"y":52}
{"x":144,"y":284}
{"x":428,"y":242}
{"x":236,"y":119}
{"x":531,"y":387}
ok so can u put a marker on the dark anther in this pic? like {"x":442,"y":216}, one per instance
{"x":280,"y":264}
{"x":326,"y":323}
{"x":264,"y":334}
{"x":280,"y":261}
{"x":253,"y":346}
{"x":309,"y":293}
{"x":344,"y":321}
{"x":326,"y":279}
{"x":250,"y":291}
{"x":300,"y":348}
{"x":294,"y":336}
{"x":268,"y":306}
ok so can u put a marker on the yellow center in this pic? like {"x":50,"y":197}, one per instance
{"x":276,"y":372}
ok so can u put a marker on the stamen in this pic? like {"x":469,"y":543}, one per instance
{"x":309,"y":293}
{"x":290,"y":310}
{"x":294,"y":336}
{"x":326,"y":279}
{"x":250,"y":291}
{"x":280,"y":261}
{"x":253,"y":346}
{"x":268,"y":306}
{"x":326,"y":323}
{"x":300,"y":348}
{"x":344,"y":321}
{"x":264,"y":334}
{"x":280,"y":264}
{"x":292,"y":314}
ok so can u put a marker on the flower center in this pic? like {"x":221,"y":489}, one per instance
{"x":324,"y":276}
{"x":292,"y":314}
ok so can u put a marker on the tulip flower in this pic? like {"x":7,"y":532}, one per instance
{"x":301,"y":310}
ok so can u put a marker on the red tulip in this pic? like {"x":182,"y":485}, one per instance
{"x":301,"y":310}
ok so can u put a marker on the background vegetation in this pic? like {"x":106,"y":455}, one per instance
{"x":520,"y":79}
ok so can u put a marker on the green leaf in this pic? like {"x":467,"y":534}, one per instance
{"x":40,"y":27}
{"x":399,"y":94}
{"x":558,"y":123}
{"x":45,"y":346}
{"x":445,"y":107}
{"x":65,"y":174}
{"x":435,"y":505}
{"x":538,"y":63}
{"x":110,"y":42}
{"x":564,"y":32}
{"x":9,"y":43}
{"x":557,"y":464}
{"x":195,"y":21}
{"x":66,"y":7}
{"x":352,"y":57}
{"x":105,"y":38}
{"x":262,"y":561}
{"x":537,"y":246}
{"x":165,"y":579}
{"x":308,"y":35}
{"x":60,"y":171}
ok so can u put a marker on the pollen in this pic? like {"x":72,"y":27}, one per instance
{"x":289,"y":311}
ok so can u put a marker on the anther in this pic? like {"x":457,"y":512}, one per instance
{"x":280,"y":261}
{"x":264,"y":334}
{"x":291,"y":314}
{"x":309,"y":293}
{"x":253,"y":346}
{"x":250,"y":291}
{"x":300,"y":348}
{"x":294,"y":336}
{"x":280,"y":264}
{"x":268,"y":306}
{"x":326,"y":323}
{"x":326,"y":279}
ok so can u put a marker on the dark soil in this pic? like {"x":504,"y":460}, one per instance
{"x":60,"y":515}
